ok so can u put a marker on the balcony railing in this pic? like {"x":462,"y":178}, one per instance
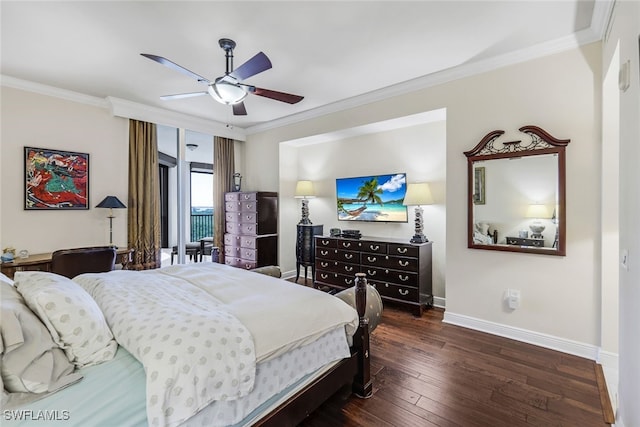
{"x":201,"y":226}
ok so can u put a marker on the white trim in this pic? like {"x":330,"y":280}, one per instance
{"x":465,"y":70}
{"x":439,"y":302}
{"x":129,"y":109}
{"x":133,"y":110}
{"x":543,"y":340}
{"x":55,"y":92}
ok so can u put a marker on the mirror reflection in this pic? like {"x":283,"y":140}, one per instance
{"x":515,"y":201}
{"x":517,"y":193}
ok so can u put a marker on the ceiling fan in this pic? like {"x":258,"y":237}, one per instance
{"x":229,"y":89}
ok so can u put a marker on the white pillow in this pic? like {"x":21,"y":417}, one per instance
{"x":73,"y":318}
{"x":4,"y":278}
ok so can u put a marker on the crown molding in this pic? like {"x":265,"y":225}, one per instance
{"x":129,"y":109}
{"x":52,"y":91}
{"x":133,"y":110}
{"x":464,"y":70}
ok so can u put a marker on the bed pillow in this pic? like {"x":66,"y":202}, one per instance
{"x":4,"y":278}
{"x":31,"y":361}
{"x":74,"y":319}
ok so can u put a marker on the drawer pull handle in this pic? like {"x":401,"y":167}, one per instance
{"x":403,"y":263}
{"x":248,"y":217}
{"x":346,"y":244}
{"x":371,"y":273}
{"x":324,"y":253}
{"x":374,"y":248}
{"x":371,"y":259}
{"x":324,"y":264}
{"x":348,"y":268}
{"x":405,"y":293}
{"x":348,"y":256}
{"x":324,"y":276}
{"x":247,"y":266}
{"x":402,"y":250}
{"x":249,"y":206}
{"x":325,"y":242}
{"x":403,"y":278}
{"x":386,"y":285}
{"x":348,"y":281}
{"x":246,"y":197}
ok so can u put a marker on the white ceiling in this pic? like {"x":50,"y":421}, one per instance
{"x":332,"y":52}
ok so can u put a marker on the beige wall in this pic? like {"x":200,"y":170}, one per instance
{"x":33,"y":120}
{"x":560,"y":93}
{"x":418,"y":151}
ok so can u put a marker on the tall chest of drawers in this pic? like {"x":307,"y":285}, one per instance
{"x":251,"y":225}
{"x":400,"y":271}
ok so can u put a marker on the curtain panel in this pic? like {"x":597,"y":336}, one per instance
{"x":223,"y":170}
{"x":144,"y":196}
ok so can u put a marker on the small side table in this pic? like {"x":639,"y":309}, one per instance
{"x":305,"y":248}
{"x":520,"y":241}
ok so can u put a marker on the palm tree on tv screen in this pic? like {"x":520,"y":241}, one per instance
{"x":369,"y":191}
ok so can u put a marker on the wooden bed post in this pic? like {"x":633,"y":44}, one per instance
{"x":362,"y":385}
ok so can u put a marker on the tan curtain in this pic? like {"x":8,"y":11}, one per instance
{"x":144,"y":196}
{"x":223,"y":170}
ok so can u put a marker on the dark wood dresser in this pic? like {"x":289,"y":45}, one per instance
{"x":251,"y":225}
{"x":306,"y":248}
{"x":399,"y":270}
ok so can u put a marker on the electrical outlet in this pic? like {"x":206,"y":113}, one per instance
{"x":513,"y":298}
{"x":624,"y":259}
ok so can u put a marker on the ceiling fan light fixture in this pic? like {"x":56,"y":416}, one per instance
{"x":227,"y":93}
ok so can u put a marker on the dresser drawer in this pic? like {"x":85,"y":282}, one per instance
{"x":353,"y":245}
{"x":232,"y":251}
{"x":232,"y":240}
{"x":323,"y":242}
{"x":348,"y":256}
{"x":238,"y":196}
{"x":393,"y":276}
{"x":373,"y":247}
{"x":241,"y":263}
{"x":248,"y":254}
{"x":241,"y":217}
{"x":391,"y":290}
{"x":326,"y":253}
{"x":327,"y":277}
{"x":386,"y":261}
{"x":404,"y":250}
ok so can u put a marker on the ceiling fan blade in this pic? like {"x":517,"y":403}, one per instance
{"x":239,"y":109}
{"x":174,"y":66}
{"x":183,"y":95}
{"x":253,"y":66}
{"x":278,"y":96}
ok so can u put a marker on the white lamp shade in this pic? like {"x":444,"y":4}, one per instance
{"x":227,"y":93}
{"x":304,"y":190}
{"x":538,"y":211}
{"x":418,"y":194}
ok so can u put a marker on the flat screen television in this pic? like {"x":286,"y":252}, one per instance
{"x":374,"y":198}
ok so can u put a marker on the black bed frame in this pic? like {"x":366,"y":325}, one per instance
{"x":354,"y":371}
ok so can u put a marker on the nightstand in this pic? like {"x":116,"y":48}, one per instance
{"x":305,"y":248}
{"x":519,"y":241}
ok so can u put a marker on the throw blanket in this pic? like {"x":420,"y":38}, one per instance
{"x":193,"y":351}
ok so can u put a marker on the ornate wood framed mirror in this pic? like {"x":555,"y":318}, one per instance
{"x":516,"y":196}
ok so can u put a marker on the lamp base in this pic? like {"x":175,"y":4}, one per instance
{"x":419,"y":238}
{"x":305,"y":213}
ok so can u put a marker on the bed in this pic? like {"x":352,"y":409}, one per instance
{"x":166,"y":357}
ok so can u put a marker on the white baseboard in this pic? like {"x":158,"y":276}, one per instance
{"x":564,"y":345}
{"x":439,"y":302}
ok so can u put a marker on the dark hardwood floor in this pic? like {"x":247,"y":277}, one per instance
{"x":428,"y":373}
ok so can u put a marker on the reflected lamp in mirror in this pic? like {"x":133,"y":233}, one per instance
{"x":304,"y":191}
{"x":418,"y":194}
{"x":537,"y":212}
{"x":111,"y":202}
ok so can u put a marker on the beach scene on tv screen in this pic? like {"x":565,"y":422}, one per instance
{"x":372,"y":198}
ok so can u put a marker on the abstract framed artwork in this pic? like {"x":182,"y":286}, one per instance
{"x":55,"y":179}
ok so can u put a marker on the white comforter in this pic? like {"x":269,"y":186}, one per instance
{"x":199,"y":329}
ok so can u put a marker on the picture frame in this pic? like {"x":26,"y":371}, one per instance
{"x":55,"y":179}
{"x":478,"y":186}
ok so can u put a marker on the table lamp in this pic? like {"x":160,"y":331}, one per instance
{"x":111,"y":202}
{"x":304,"y":191}
{"x":537,"y":211}
{"x":418,"y":194}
